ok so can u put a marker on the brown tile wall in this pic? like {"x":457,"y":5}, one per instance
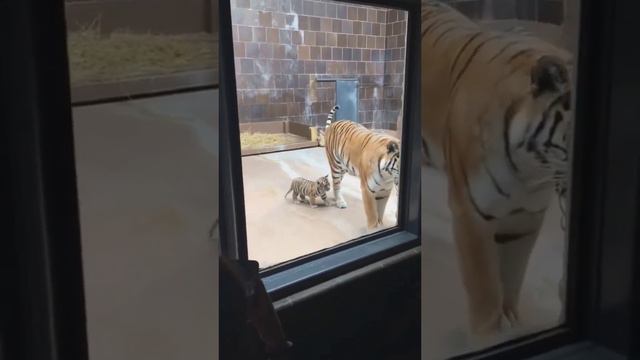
{"x":394,"y":67}
{"x":282,"y":47}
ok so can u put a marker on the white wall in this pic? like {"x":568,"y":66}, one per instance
{"x":148,"y":192}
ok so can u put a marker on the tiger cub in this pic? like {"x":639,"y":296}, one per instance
{"x":496,"y":120}
{"x":304,"y":188}
{"x":373,"y":157}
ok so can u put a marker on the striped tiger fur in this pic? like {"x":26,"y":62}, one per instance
{"x":496,"y":119}
{"x":373,"y":157}
{"x":308,"y":189}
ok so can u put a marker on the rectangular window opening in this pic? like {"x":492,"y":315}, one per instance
{"x":144,"y":88}
{"x":293,"y":63}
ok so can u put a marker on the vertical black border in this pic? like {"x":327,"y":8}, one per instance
{"x":588,"y":158}
{"x":233,"y":229}
{"x":410,"y":205}
{"x":613,"y":319}
{"x":46,"y":318}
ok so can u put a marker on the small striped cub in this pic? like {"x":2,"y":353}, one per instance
{"x":302,"y":188}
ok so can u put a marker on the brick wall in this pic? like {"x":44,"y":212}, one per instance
{"x":396,"y":29}
{"x":283,"y":46}
{"x":547,"y":11}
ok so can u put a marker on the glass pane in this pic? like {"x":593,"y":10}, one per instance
{"x":147,"y":169}
{"x":496,"y":126}
{"x":295,"y":60}
{"x":119,"y":49}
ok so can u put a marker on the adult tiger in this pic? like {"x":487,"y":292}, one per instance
{"x":373,"y":157}
{"x":495,"y":118}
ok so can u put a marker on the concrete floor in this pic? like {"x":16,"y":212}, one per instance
{"x":148,"y":191}
{"x":444,"y":313}
{"x":279,"y":230}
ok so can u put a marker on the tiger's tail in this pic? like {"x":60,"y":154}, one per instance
{"x":331,"y":114}
{"x":321,"y":130}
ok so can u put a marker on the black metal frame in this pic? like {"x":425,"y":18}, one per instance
{"x":42,"y":311}
{"x":232,"y":217}
{"x":615,"y":112}
{"x":44,"y":314}
{"x":306,"y":271}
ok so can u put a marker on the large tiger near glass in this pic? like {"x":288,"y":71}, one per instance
{"x":495,"y":119}
{"x":372,"y":156}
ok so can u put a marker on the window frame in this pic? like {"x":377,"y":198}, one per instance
{"x":308,"y":270}
{"x":43,"y":312}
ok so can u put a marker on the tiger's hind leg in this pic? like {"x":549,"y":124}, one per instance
{"x":514,"y":251}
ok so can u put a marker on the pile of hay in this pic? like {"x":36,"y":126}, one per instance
{"x":121,"y":55}
{"x":260,"y":140}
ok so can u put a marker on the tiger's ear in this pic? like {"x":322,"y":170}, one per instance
{"x":549,"y":74}
{"x":392,"y":147}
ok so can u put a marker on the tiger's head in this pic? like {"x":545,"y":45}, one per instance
{"x":323,"y":184}
{"x":389,"y":163}
{"x":538,"y":126}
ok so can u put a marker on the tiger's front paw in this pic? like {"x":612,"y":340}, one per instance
{"x":489,"y":324}
{"x":340,"y":203}
{"x":509,"y":320}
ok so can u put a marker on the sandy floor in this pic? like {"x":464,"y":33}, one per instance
{"x":444,"y":314}
{"x":148,"y":191}
{"x":280,"y":230}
